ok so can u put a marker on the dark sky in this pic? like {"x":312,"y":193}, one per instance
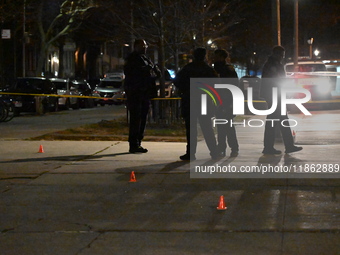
{"x":319,"y":19}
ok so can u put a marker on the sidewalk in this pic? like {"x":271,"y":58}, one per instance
{"x":76,"y":198}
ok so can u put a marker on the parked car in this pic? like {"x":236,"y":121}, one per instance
{"x":110,"y":89}
{"x":170,"y":89}
{"x":33,"y":86}
{"x":65,"y":87}
{"x":84,"y":89}
{"x":251,"y":81}
{"x":311,"y":75}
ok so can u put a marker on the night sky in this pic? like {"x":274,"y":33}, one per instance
{"x":319,"y":19}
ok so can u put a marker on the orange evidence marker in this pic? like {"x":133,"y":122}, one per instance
{"x":41,"y":149}
{"x":133,"y":177}
{"x":221,"y":204}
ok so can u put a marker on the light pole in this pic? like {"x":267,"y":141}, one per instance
{"x":310,"y":42}
{"x":296,"y":34}
{"x":24,"y":43}
{"x":278,"y":22}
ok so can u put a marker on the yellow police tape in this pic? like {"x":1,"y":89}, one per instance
{"x":254,"y":101}
{"x":156,"y":99}
{"x":43,"y":95}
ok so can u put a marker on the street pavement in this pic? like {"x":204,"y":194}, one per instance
{"x":76,"y":198}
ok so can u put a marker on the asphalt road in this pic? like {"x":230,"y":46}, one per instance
{"x":76,"y":198}
{"x":31,"y":125}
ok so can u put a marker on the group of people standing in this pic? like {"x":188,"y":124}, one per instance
{"x":198,"y":68}
{"x":140,"y":76}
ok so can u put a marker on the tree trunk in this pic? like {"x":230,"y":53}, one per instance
{"x":61,"y":71}
{"x":161,"y":50}
{"x":176,"y":57}
{"x":41,"y":61}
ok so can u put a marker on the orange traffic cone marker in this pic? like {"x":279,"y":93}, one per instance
{"x":221,"y":204}
{"x":41,"y":149}
{"x":133,"y":177}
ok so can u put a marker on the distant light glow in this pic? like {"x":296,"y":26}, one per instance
{"x":172,"y":73}
{"x":55,"y":60}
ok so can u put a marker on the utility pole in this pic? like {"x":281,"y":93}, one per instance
{"x":24,"y":43}
{"x":161,"y":48}
{"x":296,"y":34}
{"x":278,"y":15}
{"x":132,"y":38}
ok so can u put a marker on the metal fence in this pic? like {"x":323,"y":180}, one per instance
{"x":165,"y":110}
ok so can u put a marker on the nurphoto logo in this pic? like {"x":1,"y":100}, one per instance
{"x":259,"y":104}
{"x":222,"y":93}
{"x":238,"y":99}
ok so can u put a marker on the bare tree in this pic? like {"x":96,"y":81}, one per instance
{"x":194,"y":23}
{"x":52,"y":29}
{"x":176,"y":26}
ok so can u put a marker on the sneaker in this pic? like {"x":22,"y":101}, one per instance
{"x":222,"y":153}
{"x":187,"y":157}
{"x":233,"y":154}
{"x":217,"y":156}
{"x":139,"y":149}
{"x":293,"y":149}
{"x":271,"y":151}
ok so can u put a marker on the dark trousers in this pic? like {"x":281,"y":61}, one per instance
{"x":207,"y":130}
{"x":269,"y":132}
{"x":227,"y":133}
{"x":138,"y":107}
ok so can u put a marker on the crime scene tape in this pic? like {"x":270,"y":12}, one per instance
{"x":155,"y":99}
{"x":44,"y":95}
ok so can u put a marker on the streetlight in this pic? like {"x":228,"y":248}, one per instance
{"x":316,"y":52}
{"x":211,"y":44}
{"x":310,"y":42}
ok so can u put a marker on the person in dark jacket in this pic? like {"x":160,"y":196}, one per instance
{"x":196,"y":69}
{"x":140,"y":74}
{"x":225,"y":111}
{"x":274,"y":69}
